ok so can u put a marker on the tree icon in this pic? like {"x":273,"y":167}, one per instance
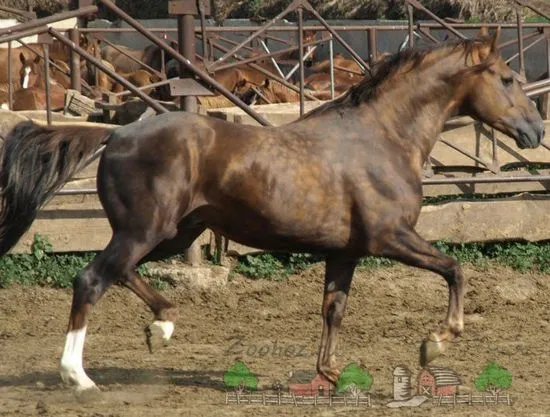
{"x":494,"y":379}
{"x":354,"y":379}
{"x":239,"y":378}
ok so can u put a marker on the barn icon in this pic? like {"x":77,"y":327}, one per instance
{"x":435,"y":380}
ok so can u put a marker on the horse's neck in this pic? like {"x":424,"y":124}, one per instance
{"x":416,"y":107}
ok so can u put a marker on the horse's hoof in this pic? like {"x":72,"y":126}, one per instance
{"x":158,"y":334}
{"x":89,"y":394}
{"x":431,"y":348}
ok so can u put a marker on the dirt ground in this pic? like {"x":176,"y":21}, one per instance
{"x":389,"y":312}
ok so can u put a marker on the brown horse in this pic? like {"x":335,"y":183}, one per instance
{"x":32,"y":94}
{"x":345,"y":181}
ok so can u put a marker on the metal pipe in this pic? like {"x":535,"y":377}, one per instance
{"x":10,"y":78}
{"x":264,"y":46}
{"x":126,"y":54}
{"x":540,"y":38}
{"x":341,"y":28}
{"x":451,"y":29}
{"x":145,"y":87}
{"x":410,"y":15}
{"x":301,"y":57}
{"x":529,"y":6}
{"x":519,"y":21}
{"x":50,"y":19}
{"x":203,"y":29}
{"x":258,"y":32}
{"x":373,"y":48}
{"x":186,"y":40}
{"x":214,"y":67}
{"x":205,"y":77}
{"x":74,"y":35}
{"x":269,"y":74}
{"x":538,"y":92}
{"x":514,"y":41}
{"x":23,"y":34}
{"x":469,"y":155}
{"x":297,"y":66}
{"x":46,"y":49}
{"x":331,"y":58}
{"x":477,"y":180}
{"x":337,"y":36}
{"x":153,"y":103}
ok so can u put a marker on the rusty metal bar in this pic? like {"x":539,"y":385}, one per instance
{"x":10,"y":80}
{"x":145,"y":87}
{"x":533,"y":8}
{"x":23,"y":13}
{"x":186,"y":25}
{"x":258,"y":32}
{"x":331,"y":58}
{"x":538,"y":92}
{"x":341,"y":28}
{"x":23,"y":34}
{"x":469,"y":155}
{"x":514,"y":41}
{"x":153,"y":103}
{"x":259,"y":57}
{"x":519,"y":21}
{"x":474,"y":180}
{"x":536,"y":84}
{"x":426,"y":33}
{"x":301,"y":57}
{"x":277,"y":67}
{"x":74,"y":35}
{"x":525,"y":49}
{"x":205,"y":77}
{"x":410,"y":16}
{"x":126,"y":54}
{"x":203,"y":28}
{"x":348,"y":48}
{"x":268,"y":74}
{"x":429,"y":181}
{"x":50,"y":19}
{"x":373,"y":48}
{"x":47,"y":88}
{"x":277,"y":39}
{"x":231,"y":42}
{"x":416,"y":4}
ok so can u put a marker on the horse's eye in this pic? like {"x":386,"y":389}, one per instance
{"x":507,"y":81}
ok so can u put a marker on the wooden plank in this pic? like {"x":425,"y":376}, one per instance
{"x":78,"y":223}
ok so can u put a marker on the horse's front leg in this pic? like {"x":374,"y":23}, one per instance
{"x":338,"y":276}
{"x":406,"y":246}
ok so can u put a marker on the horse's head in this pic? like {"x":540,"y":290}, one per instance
{"x":494,"y":96}
{"x":30,"y":71}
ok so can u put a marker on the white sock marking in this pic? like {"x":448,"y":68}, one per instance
{"x":166,"y":327}
{"x":71,"y":361}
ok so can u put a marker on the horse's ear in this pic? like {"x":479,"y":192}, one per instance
{"x":240,"y":83}
{"x":483,"y":32}
{"x":37,"y":59}
{"x":22,"y":58}
{"x":494,"y":39}
{"x":266,"y":82}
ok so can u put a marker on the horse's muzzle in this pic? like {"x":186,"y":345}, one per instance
{"x":529,"y":133}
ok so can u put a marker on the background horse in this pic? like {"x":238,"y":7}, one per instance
{"x":345,"y":180}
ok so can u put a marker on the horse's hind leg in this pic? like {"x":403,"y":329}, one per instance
{"x":338,"y":276}
{"x":409,"y":248}
{"x":115,"y":264}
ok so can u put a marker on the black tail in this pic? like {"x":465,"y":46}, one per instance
{"x":36,"y":161}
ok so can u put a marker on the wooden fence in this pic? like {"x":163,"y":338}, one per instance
{"x":297,"y":400}
{"x":471,"y":399}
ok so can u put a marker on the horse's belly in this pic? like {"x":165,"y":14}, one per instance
{"x":283,"y":232}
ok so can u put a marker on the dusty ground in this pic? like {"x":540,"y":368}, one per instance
{"x":390,"y":310}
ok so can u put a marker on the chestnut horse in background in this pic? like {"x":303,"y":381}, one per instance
{"x":345,"y":181}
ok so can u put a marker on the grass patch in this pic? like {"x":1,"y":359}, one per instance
{"x":42,"y":267}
